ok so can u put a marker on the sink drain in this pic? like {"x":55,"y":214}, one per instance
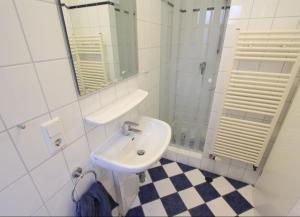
{"x":140,"y":152}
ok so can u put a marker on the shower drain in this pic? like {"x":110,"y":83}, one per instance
{"x":141,"y":152}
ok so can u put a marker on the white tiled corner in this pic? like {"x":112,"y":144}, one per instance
{"x":250,"y":175}
{"x":240,"y":9}
{"x":61,"y":204}
{"x":72,"y":121}
{"x":13,"y":167}
{"x":264,"y":8}
{"x":42,"y":29}
{"x":51,"y":176}
{"x":77,"y":154}
{"x":164,"y":187}
{"x":222,"y":186}
{"x":222,"y":166}
{"x":57,"y":82}
{"x":194,"y":162}
{"x":182,"y":158}
{"x":220,"y":207}
{"x":20,"y":94}
{"x":96,"y":137}
{"x":191,"y":198}
{"x":17,"y":51}
{"x":154,"y":208}
{"x":20,"y":199}
{"x":30,"y":142}
{"x":288,"y":8}
{"x":208,"y":164}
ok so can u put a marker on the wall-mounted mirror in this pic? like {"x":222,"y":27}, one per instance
{"x":102,"y":39}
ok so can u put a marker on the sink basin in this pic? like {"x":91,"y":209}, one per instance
{"x":136,"y":152}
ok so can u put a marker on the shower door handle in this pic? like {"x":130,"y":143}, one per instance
{"x":202,"y":67}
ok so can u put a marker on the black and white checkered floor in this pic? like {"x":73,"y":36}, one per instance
{"x":175,"y":189}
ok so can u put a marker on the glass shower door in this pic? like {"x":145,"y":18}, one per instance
{"x":200,"y":37}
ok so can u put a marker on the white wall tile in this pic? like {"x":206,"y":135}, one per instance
{"x":264,"y":8}
{"x":96,"y":137}
{"x":231,"y":31}
{"x":42,"y":28}
{"x":286,"y":23}
{"x":20,"y":199}
{"x":122,"y":89}
{"x":108,"y":95}
{"x":77,"y":154}
{"x":12,"y":166}
{"x":208,"y":165}
{"x":90,"y":104}
{"x":236,"y":170}
{"x":250,"y":175}
{"x":2,"y":127}
{"x":30,"y":142}
{"x":226,"y":60}
{"x":20,"y":94}
{"x":295,"y":211}
{"x":132,"y":84}
{"x":288,"y":8}
{"x":72,"y":121}
{"x":51,"y":176}
{"x":260,"y":24}
{"x":222,"y":166}
{"x":112,"y":127}
{"x":17,"y":51}
{"x":240,"y":9}
{"x":41,"y":212}
{"x":57,"y":82}
{"x":61,"y":204}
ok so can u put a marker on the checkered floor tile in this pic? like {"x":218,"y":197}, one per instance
{"x":175,"y":189}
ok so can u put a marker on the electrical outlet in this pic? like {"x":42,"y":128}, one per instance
{"x":54,"y":135}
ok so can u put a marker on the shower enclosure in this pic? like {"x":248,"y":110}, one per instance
{"x":191,"y":41}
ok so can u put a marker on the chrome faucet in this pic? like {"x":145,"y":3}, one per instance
{"x":127,"y":128}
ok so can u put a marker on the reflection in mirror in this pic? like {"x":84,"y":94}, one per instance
{"x":102,"y":37}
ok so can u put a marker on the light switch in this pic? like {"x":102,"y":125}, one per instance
{"x":54,"y":135}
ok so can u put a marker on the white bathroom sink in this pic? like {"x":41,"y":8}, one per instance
{"x":120,"y":152}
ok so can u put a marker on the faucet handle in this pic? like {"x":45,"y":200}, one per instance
{"x":130,"y":123}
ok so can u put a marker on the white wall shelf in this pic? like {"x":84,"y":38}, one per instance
{"x":117,"y":108}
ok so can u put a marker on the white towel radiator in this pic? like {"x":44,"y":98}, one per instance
{"x":256,"y":92}
{"x":88,"y":59}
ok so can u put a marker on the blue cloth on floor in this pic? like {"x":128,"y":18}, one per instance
{"x":95,"y":202}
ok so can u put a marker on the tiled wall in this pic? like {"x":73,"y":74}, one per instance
{"x":36,"y":85}
{"x":248,"y":15}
